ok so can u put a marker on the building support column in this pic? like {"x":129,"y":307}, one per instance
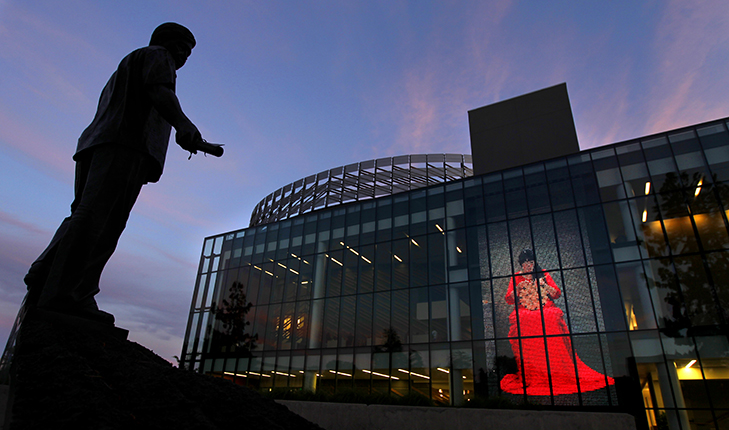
{"x":675,"y":410}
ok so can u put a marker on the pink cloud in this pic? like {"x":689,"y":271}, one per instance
{"x":28,"y":140}
{"x":691,"y":44}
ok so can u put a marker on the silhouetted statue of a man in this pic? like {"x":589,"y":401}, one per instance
{"x":123,"y":149}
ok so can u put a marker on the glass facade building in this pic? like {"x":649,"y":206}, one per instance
{"x":592,"y":281}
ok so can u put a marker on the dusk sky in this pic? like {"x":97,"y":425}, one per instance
{"x":293,"y":88}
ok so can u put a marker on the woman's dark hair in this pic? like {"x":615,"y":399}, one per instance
{"x":528,"y":255}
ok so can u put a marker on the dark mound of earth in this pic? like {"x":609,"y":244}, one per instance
{"x":65,"y":378}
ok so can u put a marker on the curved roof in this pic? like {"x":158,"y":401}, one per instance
{"x":360,"y":181}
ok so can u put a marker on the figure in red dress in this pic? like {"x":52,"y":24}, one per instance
{"x":534,"y":291}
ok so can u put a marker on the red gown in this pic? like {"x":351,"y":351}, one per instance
{"x":559,"y":349}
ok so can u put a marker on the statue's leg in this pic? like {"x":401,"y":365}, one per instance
{"x":41,"y":267}
{"x":112,"y":176}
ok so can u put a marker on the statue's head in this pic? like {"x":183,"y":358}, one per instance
{"x":176,"y":38}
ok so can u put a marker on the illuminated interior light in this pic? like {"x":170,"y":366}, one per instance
{"x":355,"y":252}
{"x":397,"y":258}
{"x":698,"y":187}
{"x":285,"y":374}
{"x":268,"y":273}
{"x":381,"y":374}
{"x":414,"y":242}
{"x":294,"y":271}
{"x":256,"y":267}
{"x":645,"y":215}
{"x":366,"y":259}
{"x":342,"y":243}
{"x":443,"y":370}
{"x":294,"y":255}
{"x":236,"y":374}
{"x":340,"y":373}
{"x":282,"y":265}
{"x":413,"y":373}
{"x":301,"y":371}
{"x":335,"y":260}
{"x":647,"y":188}
{"x":458,"y":248}
{"x":260,"y":374}
{"x":305,"y":262}
{"x":438,"y":227}
{"x":691,"y":363}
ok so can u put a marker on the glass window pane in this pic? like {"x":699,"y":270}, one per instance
{"x":366,"y":269}
{"x":436,"y":258}
{"x":334,"y":271}
{"x":709,"y":219}
{"x":419,"y":262}
{"x":594,"y":236}
{"x":515,"y":195}
{"x":568,"y":237}
{"x":577,"y":299}
{"x":459,"y":311}
{"x":383,"y":266}
{"x":288,"y":326}
{"x":623,"y":240}
{"x":593,"y":380}
{"x":503,"y":309}
{"x":560,"y":186}
{"x":584,"y":181}
{"x":302,"y":324}
{"x":482,"y":309}
{"x":363,"y":330}
{"x":697,"y":294}
{"x":347,"y":314}
{"x":521,"y":239}
{"x":608,"y":175}
{"x":647,"y":219}
{"x":719,"y":268}
{"x":661,"y":164}
{"x":677,"y":222}
{"x":544,"y":242}
{"x":636,"y":296}
{"x":351,"y":264}
{"x":475,"y":213}
{"x":499,"y":249}
{"x":381,"y":320}
{"x":606,"y":297}
{"x":493,"y":193}
{"x":400,"y":315}
{"x":419,"y":315}
{"x":666,"y":294}
{"x":715,"y":367}
{"x":715,"y":141}
{"x":438,"y":314}
{"x":537,"y":191}
{"x":689,"y":158}
{"x":634,"y":170}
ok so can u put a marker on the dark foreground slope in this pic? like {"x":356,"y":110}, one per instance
{"x":70,"y":379}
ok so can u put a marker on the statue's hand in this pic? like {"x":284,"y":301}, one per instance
{"x":187,"y":137}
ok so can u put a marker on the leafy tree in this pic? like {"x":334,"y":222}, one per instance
{"x":231,"y":314}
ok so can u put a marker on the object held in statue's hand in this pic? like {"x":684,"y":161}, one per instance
{"x":215,"y":149}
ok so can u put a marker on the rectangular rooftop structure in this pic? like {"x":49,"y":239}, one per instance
{"x":522,"y":130}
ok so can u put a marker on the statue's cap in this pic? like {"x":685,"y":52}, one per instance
{"x":171,"y":31}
